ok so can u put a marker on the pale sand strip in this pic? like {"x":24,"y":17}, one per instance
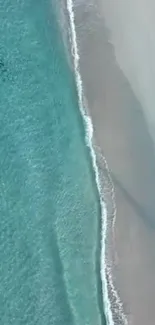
{"x":121,"y":132}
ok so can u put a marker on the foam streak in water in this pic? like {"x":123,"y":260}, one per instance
{"x":89,"y":140}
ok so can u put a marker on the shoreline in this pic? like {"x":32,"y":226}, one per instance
{"x":116,"y":304}
{"x":105,"y":312}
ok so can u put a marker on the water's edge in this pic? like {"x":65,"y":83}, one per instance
{"x":109,"y":302}
{"x":102,"y":284}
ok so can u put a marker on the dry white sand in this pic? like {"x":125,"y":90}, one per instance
{"x":122,"y":133}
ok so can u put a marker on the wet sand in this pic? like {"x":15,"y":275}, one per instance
{"x":122,"y":134}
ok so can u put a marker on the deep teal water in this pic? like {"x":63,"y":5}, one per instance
{"x":49,"y":209}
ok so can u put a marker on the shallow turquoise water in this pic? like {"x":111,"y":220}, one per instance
{"x":49,"y":208}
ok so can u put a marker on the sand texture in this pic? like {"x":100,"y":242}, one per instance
{"x":122,"y":134}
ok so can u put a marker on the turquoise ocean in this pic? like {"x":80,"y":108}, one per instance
{"x":49,"y":204}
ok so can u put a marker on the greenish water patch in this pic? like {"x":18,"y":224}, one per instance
{"x":48,"y":202}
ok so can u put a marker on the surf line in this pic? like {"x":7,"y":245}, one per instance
{"x":89,"y":142}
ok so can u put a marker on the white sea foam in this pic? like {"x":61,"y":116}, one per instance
{"x":105,"y":272}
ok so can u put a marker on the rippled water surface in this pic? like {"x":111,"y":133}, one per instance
{"x":49,"y":208}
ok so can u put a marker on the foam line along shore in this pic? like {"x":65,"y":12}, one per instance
{"x":89,"y":142}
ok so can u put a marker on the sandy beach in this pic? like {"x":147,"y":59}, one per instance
{"x":122,"y":134}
